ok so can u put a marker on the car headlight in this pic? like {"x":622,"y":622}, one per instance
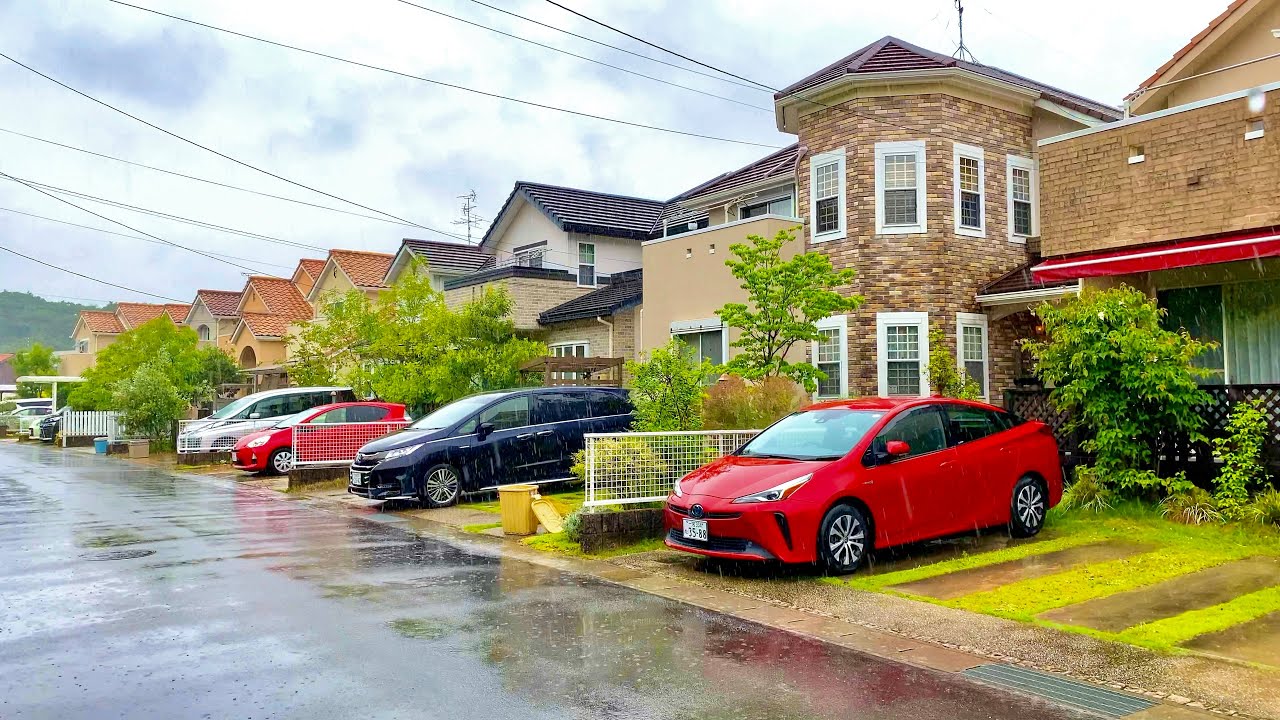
{"x":258,"y":442}
{"x":676,"y":488}
{"x":777,"y":492}
{"x":402,"y":451}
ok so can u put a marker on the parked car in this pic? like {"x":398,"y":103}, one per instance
{"x":220,"y":431}
{"x":45,"y":403}
{"x":831,"y":482}
{"x":271,"y":450}
{"x":50,"y":425}
{"x":15,"y":418}
{"x":483,"y":441}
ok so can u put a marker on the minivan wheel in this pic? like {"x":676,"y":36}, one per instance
{"x":1027,"y":508}
{"x":843,"y":539}
{"x":440,"y":487}
{"x":280,"y":462}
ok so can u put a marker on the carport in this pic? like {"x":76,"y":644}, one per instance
{"x":53,"y":380}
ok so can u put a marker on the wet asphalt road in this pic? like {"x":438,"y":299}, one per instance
{"x":245,"y":604}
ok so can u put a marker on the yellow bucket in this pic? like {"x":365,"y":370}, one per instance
{"x":516,"y":503}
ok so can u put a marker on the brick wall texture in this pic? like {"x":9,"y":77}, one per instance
{"x":597,"y":334}
{"x":1200,"y":177}
{"x":529,"y":297}
{"x":938,"y":271}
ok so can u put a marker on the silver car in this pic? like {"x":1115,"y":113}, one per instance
{"x":220,"y":431}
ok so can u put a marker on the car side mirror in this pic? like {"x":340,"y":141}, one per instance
{"x":255,"y":416}
{"x":896,"y":448}
{"x":484,"y":430}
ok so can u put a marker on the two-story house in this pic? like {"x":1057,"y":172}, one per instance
{"x":346,"y":270}
{"x":269,"y":308}
{"x":1182,"y":198}
{"x":214,"y":315}
{"x":442,"y":261}
{"x":96,"y":329}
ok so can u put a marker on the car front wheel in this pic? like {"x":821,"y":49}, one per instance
{"x":281,"y":461}
{"x":843,"y":539}
{"x":440,"y":487}
{"x":1027,"y":508}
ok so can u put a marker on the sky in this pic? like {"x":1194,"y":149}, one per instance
{"x":410,"y":148}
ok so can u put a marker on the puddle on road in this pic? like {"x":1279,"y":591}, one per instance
{"x":420,"y":628}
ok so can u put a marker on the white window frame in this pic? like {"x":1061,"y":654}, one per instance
{"x":883,"y":321}
{"x":586,"y":346}
{"x":82,"y":346}
{"x":840,"y":323}
{"x":595,"y":270}
{"x":1023,"y":163}
{"x":769,"y":200}
{"x":972,"y":152}
{"x":819,"y":160}
{"x":978,"y":320}
{"x":205,"y":336}
{"x":688,"y":327}
{"x":905,"y":147}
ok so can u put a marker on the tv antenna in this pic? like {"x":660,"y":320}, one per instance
{"x":962,"y":51}
{"x":469,"y":218}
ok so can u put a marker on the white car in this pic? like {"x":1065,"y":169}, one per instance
{"x":22,"y":419}
{"x":220,"y":431}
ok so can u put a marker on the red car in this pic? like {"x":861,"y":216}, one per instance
{"x":831,"y":482}
{"x":271,"y":450}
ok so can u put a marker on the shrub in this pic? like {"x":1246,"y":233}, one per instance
{"x":573,"y":525}
{"x":1087,"y":492}
{"x":735,"y":404}
{"x":148,"y":402}
{"x":1265,"y":508}
{"x":945,"y":376}
{"x":1190,"y":506}
{"x":1241,"y":453}
{"x":667,"y":389}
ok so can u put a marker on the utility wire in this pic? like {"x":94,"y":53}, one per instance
{"x":87,"y":277}
{"x":126,"y":235}
{"x":642,"y":56}
{"x":206,"y":148}
{"x":127,"y":227}
{"x":420,"y":78}
{"x":200,"y":179}
{"x":656,"y":46}
{"x":584,"y":57}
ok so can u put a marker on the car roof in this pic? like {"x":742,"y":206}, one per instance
{"x":543,"y":388}
{"x":293,"y":390}
{"x":357,"y":403}
{"x":890,"y":403}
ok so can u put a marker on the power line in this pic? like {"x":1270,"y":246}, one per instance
{"x":656,"y":46}
{"x":420,"y":78}
{"x":206,"y":148}
{"x":126,"y":235}
{"x":86,"y":277}
{"x":584,"y":57}
{"x":117,"y":222}
{"x":200,"y":179}
{"x":642,"y":56}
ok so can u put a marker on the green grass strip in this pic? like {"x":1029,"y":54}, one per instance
{"x":480,"y":527}
{"x":1025,"y":599}
{"x":1178,"y":629}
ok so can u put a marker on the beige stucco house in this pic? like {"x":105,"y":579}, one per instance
{"x":96,"y":329}
{"x":345,"y":270}
{"x":214,"y":315}
{"x":269,"y":307}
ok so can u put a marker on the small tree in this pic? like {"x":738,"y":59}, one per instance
{"x":786,"y":299}
{"x":1241,"y":453}
{"x":35,"y":360}
{"x":1121,"y":377}
{"x":945,"y":376}
{"x":667,"y":389}
{"x":159,"y":338}
{"x":148,"y":402}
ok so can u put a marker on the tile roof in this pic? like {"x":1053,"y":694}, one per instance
{"x":365,"y":269}
{"x":4,"y":357}
{"x":585,"y":211}
{"x":101,"y":321}
{"x":220,"y":303}
{"x":623,"y":291}
{"x":267,"y":324}
{"x":774,"y":165}
{"x":449,"y":255}
{"x":1185,"y":49}
{"x":889,"y":54}
{"x":1020,"y":279}
{"x":311,"y":266}
{"x":134,"y":314}
{"x":177,"y":311}
{"x":281,"y":297}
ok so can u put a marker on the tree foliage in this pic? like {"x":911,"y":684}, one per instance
{"x":148,"y":400}
{"x":945,"y":375}
{"x":171,"y":350}
{"x":786,"y":299}
{"x":667,"y":388}
{"x":35,"y":360}
{"x":1241,"y":453}
{"x":1120,"y":377}
{"x":26,"y":319}
{"x":736,"y":404}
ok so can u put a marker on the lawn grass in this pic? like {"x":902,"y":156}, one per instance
{"x":480,"y":527}
{"x":1168,"y":632}
{"x":565,"y":500}
{"x":323,"y":486}
{"x":559,"y":543}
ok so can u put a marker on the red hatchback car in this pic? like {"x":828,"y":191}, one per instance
{"x":831,"y":482}
{"x":271,"y":450}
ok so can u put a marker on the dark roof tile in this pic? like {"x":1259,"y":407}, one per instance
{"x":623,"y":291}
{"x":779,"y":164}
{"x":449,"y":255}
{"x":1020,"y":279}
{"x":586,"y":211}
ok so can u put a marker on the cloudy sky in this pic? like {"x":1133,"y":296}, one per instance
{"x":409,"y":148}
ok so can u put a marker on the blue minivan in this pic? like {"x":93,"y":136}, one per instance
{"x":483,"y":441}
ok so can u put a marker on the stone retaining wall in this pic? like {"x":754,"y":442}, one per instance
{"x":302,"y":477}
{"x":612,"y":529}
{"x":201,"y":458}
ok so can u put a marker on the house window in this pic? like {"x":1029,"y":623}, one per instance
{"x":1254,"y":129}
{"x":1243,"y":317}
{"x":82,"y":346}
{"x":530,"y":255}
{"x":586,"y":264}
{"x":902,"y":349}
{"x":972,"y":335}
{"x":1199,"y":311}
{"x":831,"y":356}
{"x":203,"y":332}
{"x":970,"y":179}
{"x":900,"y":191}
{"x":1137,"y":154}
{"x":705,"y":338}
{"x":1022,"y":198}
{"x":827,"y":194}
{"x":776,"y":206}
{"x":569,"y":349}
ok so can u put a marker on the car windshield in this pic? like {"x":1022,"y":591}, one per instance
{"x":295,"y":419}
{"x":812,"y":435}
{"x":454,"y":412}
{"x":233,"y":409}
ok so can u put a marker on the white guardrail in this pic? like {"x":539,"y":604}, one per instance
{"x":637,"y":467}
{"x":195,"y":436}
{"x":336,"y":443}
{"x":92,"y":423}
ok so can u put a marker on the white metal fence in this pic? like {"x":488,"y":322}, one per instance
{"x":623,"y":468}
{"x":208,"y":435}
{"x":336,"y":443}
{"x":92,"y":423}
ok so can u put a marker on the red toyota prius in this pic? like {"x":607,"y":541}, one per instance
{"x":831,"y":482}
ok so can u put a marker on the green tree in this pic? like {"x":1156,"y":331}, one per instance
{"x":668,"y":388}
{"x":149,"y":402}
{"x":1120,"y":377}
{"x":786,"y":299}
{"x":945,"y":376}
{"x":35,"y":360}
{"x":1241,"y":453}
{"x":175,"y":349}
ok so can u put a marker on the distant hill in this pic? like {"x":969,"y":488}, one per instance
{"x":27,"y":318}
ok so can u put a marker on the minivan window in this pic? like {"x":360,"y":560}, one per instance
{"x":604,"y":404}
{"x":510,"y":413}
{"x":275,"y":406}
{"x":556,"y":407}
{"x":234,"y":409}
{"x":455,"y":412}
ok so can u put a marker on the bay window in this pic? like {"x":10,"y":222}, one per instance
{"x":831,"y":356}
{"x":969,"y":181}
{"x":971,"y":340}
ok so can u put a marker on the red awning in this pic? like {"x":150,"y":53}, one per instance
{"x":1187,"y":253}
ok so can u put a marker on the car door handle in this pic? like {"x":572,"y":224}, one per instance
{"x":524,"y":436}
{"x":546,"y":432}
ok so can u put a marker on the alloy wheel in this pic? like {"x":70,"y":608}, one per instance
{"x":441,"y":487}
{"x":1030,"y":506}
{"x":282,"y":461}
{"x":846,"y":540}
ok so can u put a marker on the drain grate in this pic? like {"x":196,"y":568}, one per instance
{"x":118,"y":554}
{"x":1074,"y":694}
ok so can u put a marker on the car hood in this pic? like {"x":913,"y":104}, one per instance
{"x":408,"y":436}
{"x":266,"y":432}
{"x":733,"y":476}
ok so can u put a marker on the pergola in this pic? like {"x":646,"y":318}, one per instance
{"x":50,"y":380}
{"x":559,"y":371}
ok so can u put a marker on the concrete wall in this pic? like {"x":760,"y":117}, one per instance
{"x":1200,"y":176}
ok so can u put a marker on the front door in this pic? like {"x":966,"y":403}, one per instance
{"x":916,"y":492}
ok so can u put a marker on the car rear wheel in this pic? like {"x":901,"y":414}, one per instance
{"x":1027,"y":508}
{"x":440,"y":487}
{"x":843,"y":539}
{"x":280,"y":462}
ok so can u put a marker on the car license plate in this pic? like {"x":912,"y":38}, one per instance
{"x":695,"y":530}
{"x":357,"y":478}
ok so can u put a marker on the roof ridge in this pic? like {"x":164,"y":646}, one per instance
{"x":1187,"y":48}
{"x":362,"y":252}
{"x":690,"y":192}
{"x":529,"y":183}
